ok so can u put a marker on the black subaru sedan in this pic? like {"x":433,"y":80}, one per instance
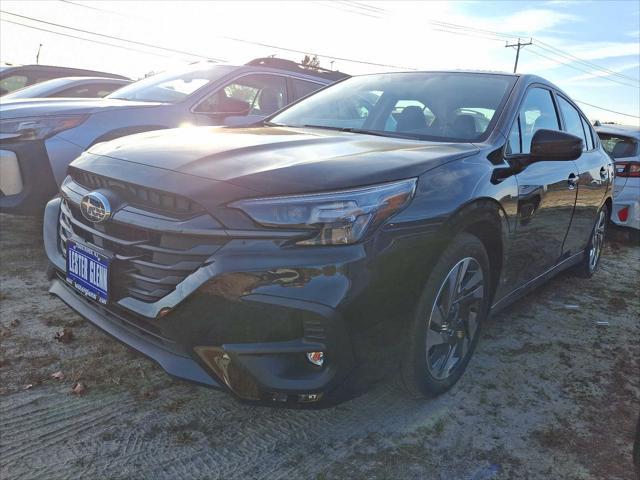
{"x":260,"y":260}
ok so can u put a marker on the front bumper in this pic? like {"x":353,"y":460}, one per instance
{"x":28,"y":178}
{"x":241,"y":323}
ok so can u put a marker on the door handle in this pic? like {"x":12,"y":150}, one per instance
{"x":572,"y":181}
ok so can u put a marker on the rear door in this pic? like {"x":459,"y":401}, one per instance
{"x":595,"y":170}
{"x":546,"y":192}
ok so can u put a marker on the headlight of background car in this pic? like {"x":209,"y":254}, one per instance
{"x":340,"y":218}
{"x":37,"y":128}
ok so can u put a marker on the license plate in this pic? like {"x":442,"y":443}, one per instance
{"x":88,"y":271}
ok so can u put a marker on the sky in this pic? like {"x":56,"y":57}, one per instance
{"x":590,"y":49}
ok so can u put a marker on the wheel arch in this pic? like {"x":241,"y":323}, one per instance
{"x":486,"y":219}
{"x":609,"y":203}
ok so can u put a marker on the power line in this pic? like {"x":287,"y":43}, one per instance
{"x":225,"y":37}
{"x":85,"y":39}
{"x":579,"y":69}
{"x":446,"y":27}
{"x":606,"y":109}
{"x":112,"y":37}
{"x":557,"y":51}
{"x":363,"y":62}
{"x":91,"y":7}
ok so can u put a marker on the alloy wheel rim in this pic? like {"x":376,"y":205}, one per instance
{"x":453,"y":321}
{"x":597,"y":240}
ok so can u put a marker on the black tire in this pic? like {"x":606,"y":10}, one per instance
{"x":587,"y":267}
{"x":419,"y":374}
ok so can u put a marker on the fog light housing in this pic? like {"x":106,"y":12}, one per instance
{"x":316,"y":358}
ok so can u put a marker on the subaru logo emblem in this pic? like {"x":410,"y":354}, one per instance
{"x":95,"y":207}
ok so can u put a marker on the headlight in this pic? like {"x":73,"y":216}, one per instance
{"x":337,"y":218}
{"x":37,"y":128}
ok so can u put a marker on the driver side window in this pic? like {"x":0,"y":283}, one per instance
{"x":259,"y":94}
{"x":537,"y":111}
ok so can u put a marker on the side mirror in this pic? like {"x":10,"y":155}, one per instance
{"x":553,"y":145}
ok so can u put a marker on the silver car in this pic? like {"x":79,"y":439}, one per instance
{"x":621,"y":142}
{"x":39,"y":138}
{"x":69,"y":87}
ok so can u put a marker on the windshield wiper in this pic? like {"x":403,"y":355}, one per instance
{"x":378,"y":133}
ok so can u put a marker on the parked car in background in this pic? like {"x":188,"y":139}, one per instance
{"x":621,"y":142}
{"x":14,"y":78}
{"x":275,"y":261}
{"x":69,"y":87}
{"x":39,"y":138}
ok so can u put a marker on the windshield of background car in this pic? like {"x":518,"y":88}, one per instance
{"x":428,"y":106}
{"x":38,"y":90}
{"x":172,"y":87}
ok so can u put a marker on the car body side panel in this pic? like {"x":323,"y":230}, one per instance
{"x":594,"y":183}
{"x":545,"y":207}
{"x":59,"y":151}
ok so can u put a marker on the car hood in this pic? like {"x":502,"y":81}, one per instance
{"x":279,"y":160}
{"x":36,"y":107}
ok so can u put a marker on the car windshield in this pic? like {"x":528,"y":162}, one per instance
{"x":39,"y":90}
{"x":172,"y":87}
{"x":428,"y":106}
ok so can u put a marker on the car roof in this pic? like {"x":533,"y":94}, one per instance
{"x":70,"y":71}
{"x":623,"y":130}
{"x":91,"y":79}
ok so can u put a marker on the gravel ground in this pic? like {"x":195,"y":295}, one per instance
{"x":548,"y":394}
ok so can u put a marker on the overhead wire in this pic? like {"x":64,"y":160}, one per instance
{"x":112,"y":37}
{"x":370,"y":11}
{"x":85,"y":39}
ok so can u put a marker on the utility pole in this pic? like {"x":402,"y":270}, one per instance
{"x":38,"y":55}
{"x":518,"y":46}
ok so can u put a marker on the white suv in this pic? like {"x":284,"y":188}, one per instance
{"x":621,"y":142}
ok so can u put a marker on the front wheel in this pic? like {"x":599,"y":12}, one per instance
{"x":446,"y":325}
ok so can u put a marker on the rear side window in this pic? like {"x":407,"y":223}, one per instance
{"x":302,"y":88}
{"x":588,"y":133}
{"x":572,"y":121}
{"x":537,"y":111}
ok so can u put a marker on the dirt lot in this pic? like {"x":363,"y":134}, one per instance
{"x":549,"y":394}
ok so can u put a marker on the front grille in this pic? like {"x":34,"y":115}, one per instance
{"x":147,"y":264}
{"x":143,"y":197}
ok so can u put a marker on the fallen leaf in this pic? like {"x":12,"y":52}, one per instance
{"x":58,"y":375}
{"x":79,"y":388}
{"x":15,"y":322}
{"x":64,"y":336}
{"x":27,"y":387}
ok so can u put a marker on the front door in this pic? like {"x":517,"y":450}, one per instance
{"x":546,"y":193}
